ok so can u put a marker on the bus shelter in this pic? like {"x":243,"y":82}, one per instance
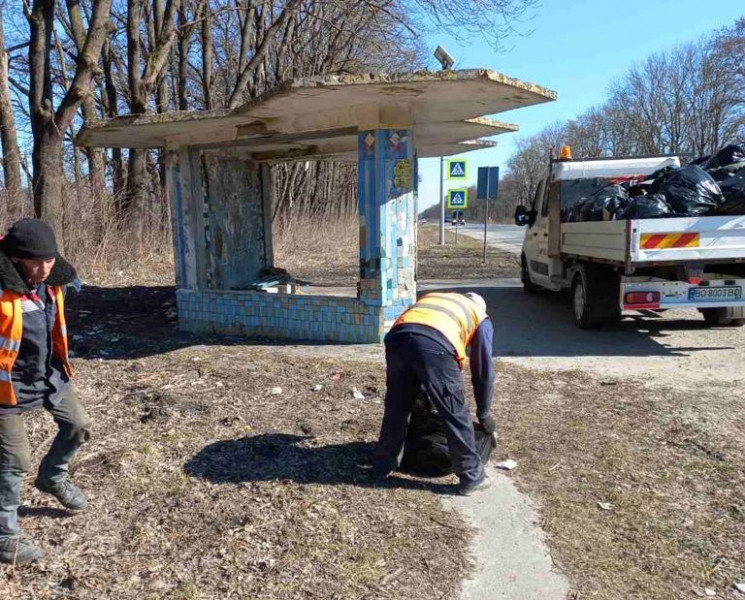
{"x":220,"y":191}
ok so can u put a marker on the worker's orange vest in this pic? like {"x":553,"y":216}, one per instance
{"x":11,"y":331}
{"x":453,"y":315}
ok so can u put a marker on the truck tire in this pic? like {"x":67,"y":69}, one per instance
{"x":594,"y":297}
{"x":528,"y":286}
{"x":724,"y":316}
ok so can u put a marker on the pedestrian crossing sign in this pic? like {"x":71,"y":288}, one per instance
{"x":458,"y":198}
{"x":457,"y":168}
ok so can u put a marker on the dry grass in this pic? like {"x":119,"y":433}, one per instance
{"x":102,"y":251}
{"x":204,"y":484}
{"x":671,"y":464}
{"x":328,"y":254}
{"x":322,"y":251}
{"x":461,"y":260}
{"x":116,"y":260}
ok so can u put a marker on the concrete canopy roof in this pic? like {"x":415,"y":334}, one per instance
{"x":319,"y":117}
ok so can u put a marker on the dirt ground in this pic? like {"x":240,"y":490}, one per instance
{"x":207,"y":482}
{"x":462,"y":259}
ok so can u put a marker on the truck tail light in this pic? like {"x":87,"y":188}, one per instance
{"x":642,"y":300}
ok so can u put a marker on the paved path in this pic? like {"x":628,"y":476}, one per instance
{"x":537,"y":331}
{"x":512,"y":560}
{"x":505,"y":237}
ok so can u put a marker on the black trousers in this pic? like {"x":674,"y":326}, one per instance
{"x":414,"y":361}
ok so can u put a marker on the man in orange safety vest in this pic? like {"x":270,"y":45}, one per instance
{"x":426,"y":349}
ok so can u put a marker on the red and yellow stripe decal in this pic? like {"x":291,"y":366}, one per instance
{"x":659,"y":241}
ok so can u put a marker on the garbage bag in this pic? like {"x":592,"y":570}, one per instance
{"x":426,"y":449}
{"x":733,"y":190}
{"x":690,"y":191}
{"x":722,"y":173}
{"x":604,"y":204}
{"x":726,"y":156}
{"x":659,"y":174}
{"x":645,"y":207}
{"x":701,"y":160}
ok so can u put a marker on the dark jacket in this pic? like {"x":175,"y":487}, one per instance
{"x":37,"y":375}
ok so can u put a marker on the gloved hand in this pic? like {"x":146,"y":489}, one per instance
{"x":488,"y":424}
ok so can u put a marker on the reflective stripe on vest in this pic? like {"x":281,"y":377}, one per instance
{"x":59,"y":332}
{"x":453,"y":315}
{"x":11,"y":332}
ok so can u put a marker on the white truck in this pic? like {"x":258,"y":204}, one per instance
{"x":630,"y":265}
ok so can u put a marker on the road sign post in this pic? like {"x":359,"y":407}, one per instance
{"x":487,"y":187}
{"x":442,"y":205}
{"x":456,"y":171}
{"x":458,"y":200}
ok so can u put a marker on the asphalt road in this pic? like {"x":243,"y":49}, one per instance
{"x":505,"y":237}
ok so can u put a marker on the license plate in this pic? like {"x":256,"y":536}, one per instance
{"x":709,"y":294}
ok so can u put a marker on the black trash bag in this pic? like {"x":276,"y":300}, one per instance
{"x":722,"y":173}
{"x":426,"y":451}
{"x":690,"y":191}
{"x":638,"y":189}
{"x":567,"y":215}
{"x":645,"y":207}
{"x":604,"y":204}
{"x":658,"y":174}
{"x":733,"y":190}
{"x":726,"y":156}
{"x":701,"y":160}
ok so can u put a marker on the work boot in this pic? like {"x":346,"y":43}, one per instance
{"x":466,"y":489}
{"x":14,"y":550}
{"x":69,"y":495}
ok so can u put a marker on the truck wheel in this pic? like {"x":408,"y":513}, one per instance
{"x":585,"y":311}
{"x":528,"y":286}
{"x":724,"y":316}
{"x":594,"y":291}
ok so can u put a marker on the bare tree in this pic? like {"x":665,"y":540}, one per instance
{"x":48,"y":123}
{"x":75,"y":25}
{"x":8,"y":136}
{"x":142,"y":80}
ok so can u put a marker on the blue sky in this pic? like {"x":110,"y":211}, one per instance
{"x":576,"y":48}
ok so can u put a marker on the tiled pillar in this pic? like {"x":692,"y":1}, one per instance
{"x":386,"y":180}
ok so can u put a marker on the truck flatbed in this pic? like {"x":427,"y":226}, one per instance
{"x":656,"y":241}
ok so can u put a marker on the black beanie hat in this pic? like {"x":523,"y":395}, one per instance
{"x":30,"y":238}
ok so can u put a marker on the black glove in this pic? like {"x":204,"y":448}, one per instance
{"x":488,"y":424}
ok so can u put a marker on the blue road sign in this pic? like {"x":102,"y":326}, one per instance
{"x":458,"y":198}
{"x":487,"y":183}
{"x":457,"y":168}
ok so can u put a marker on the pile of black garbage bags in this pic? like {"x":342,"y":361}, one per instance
{"x":710,"y":185}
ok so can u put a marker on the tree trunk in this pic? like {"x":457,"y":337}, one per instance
{"x":47,"y":152}
{"x":47,"y":124}
{"x":207,"y":56}
{"x":140,"y":86}
{"x":183,"y":58}
{"x":88,"y":106}
{"x":48,"y":180}
{"x":135,"y":197}
{"x":112,"y":110}
{"x":11,"y":154}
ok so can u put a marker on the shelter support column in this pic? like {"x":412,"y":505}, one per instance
{"x":180,"y":185}
{"x":386,"y":171}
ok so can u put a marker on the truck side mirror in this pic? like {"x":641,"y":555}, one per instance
{"x":521,"y":216}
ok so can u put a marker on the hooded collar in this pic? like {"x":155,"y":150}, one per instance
{"x":10,"y":279}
